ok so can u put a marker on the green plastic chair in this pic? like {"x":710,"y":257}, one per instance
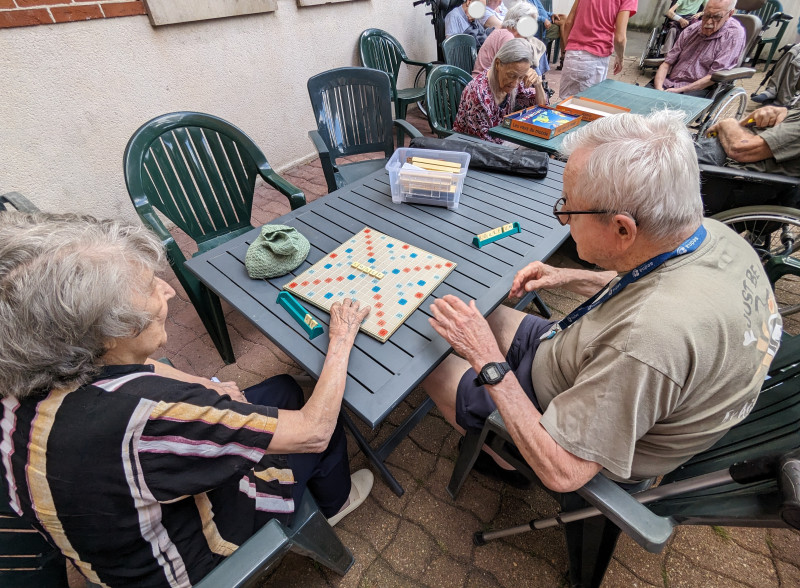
{"x":353,"y":110}
{"x":309,"y":535}
{"x":771,"y":429}
{"x":380,"y":50}
{"x":199,"y":171}
{"x":443,"y":96}
{"x":460,"y":51}
{"x":770,"y":14}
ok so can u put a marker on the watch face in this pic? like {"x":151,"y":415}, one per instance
{"x":492,"y":373}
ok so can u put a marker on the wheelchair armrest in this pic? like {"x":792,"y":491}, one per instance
{"x":653,"y":61}
{"x":643,"y":526}
{"x":739,"y":175}
{"x":729,"y":75}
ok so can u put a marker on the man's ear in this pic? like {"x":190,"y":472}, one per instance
{"x":625,"y":230}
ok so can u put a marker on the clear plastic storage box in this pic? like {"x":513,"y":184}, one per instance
{"x":440,"y":188}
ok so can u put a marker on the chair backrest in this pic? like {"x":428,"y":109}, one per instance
{"x":772,"y":428}
{"x":766,"y":10}
{"x":195,"y":168}
{"x":353,"y":110}
{"x":752,"y":27}
{"x":443,"y":96}
{"x":380,"y":50}
{"x":460,"y":51}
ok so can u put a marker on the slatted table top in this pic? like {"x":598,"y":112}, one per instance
{"x":380,"y":375}
{"x":639,"y":99}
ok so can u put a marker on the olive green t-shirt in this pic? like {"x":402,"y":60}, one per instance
{"x":661,"y":370}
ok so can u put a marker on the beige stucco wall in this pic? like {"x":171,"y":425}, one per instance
{"x":72,"y":94}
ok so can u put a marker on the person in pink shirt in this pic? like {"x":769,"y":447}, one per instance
{"x":595,"y":29}
{"x":501,"y":36}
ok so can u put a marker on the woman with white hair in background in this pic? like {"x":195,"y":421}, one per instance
{"x":508,"y":31}
{"x":509,"y":84}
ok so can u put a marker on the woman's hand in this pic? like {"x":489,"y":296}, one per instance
{"x":346,"y":319}
{"x":229,"y":388}
{"x":465,"y":329}
{"x":531,"y":79}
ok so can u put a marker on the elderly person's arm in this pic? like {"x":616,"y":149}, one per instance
{"x":739,"y":143}
{"x":309,"y":429}
{"x":229,"y":388}
{"x":620,"y":39}
{"x":700,"y":84}
{"x":471,"y":336}
{"x":531,"y":91}
{"x":538,"y":275}
{"x":661,"y":74}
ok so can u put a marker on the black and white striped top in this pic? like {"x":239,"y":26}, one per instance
{"x":142,"y":480}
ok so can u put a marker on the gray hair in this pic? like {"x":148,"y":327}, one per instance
{"x":514,"y":51}
{"x":645,"y":166}
{"x":517,"y":12}
{"x":68,"y":286}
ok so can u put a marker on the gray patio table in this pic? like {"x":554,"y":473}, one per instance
{"x":639,"y":99}
{"x":381,"y":375}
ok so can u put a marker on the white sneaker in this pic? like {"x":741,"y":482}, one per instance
{"x":360,"y":486}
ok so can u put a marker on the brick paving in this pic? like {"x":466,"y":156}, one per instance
{"x":424,"y":538}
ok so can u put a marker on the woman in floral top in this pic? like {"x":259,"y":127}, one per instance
{"x":509,"y":85}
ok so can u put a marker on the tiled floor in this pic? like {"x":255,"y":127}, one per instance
{"x":425,"y":538}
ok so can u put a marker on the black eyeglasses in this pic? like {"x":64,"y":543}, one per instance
{"x":563,"y":215}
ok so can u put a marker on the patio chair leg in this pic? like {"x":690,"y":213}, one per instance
{"x":470,"y":450}
{"x":590,"y":545}
{"x":316,"y":539}
{"x":534,"y":297}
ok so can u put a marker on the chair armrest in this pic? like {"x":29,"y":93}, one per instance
{"x":292,"y":192}
{"x":19,"y":202}
{"x":408,"y":128}
{"x":736,"y":174}
{"x":729,"y":75}
{"x":777,"y":17}
{"x":247,"y":565}
{"x":654,"y":61}
{"x":325,"y":158}
{"x":425,"y":64}
{"x":643,"y":526}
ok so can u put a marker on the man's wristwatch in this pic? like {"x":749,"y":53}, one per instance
{"x":492,"y":373}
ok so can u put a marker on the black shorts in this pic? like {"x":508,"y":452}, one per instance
{"x":473,"y":403}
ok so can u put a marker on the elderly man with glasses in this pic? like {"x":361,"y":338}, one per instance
{"x":668,"y":353}
{"x":714,"y":43}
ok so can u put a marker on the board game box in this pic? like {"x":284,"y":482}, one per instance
{"x":589,"y":109}
{"x":393,"y":277}
{"x":541,"y":121}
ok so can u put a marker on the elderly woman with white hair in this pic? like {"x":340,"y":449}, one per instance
{"x":500,"y":36}
{"x":143,"y":475}
{"x":509,"y":85}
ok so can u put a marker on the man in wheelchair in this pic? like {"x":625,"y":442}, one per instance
{"x":767,"y":140}
{"x":668,"y":354}
{"x":714,"y":43}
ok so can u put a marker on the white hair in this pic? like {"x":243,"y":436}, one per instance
{"x":643,"y":165}
{"x":518,"y":11}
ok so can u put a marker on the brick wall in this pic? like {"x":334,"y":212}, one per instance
{"x":24,"y":13}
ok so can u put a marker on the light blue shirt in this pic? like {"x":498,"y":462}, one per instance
{"x":456,"y":22}
{"x":543,"y":16}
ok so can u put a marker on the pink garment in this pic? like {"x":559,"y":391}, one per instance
{"x":478,"y":111}
{"x":595,"y":21}
{"x":489,"y":49}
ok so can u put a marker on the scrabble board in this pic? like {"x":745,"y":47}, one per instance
{"x":391,"y":276}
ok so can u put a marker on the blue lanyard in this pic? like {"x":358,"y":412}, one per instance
{"x":688,"y":246}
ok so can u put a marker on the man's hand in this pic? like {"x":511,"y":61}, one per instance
{"x":617,"y":64}
{"x":766,"y":116}
{"x":466,"y":330}
{"x":673,"y":90}
{"x":534,"y":276}
{"x":346,"y":319}
{"x":684,"y":23}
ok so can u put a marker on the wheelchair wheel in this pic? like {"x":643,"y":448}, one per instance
{"x":730,"y":105}
{"x":419,"y":82}
{"x":650,"y":47}
{"x":774,"y":232}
